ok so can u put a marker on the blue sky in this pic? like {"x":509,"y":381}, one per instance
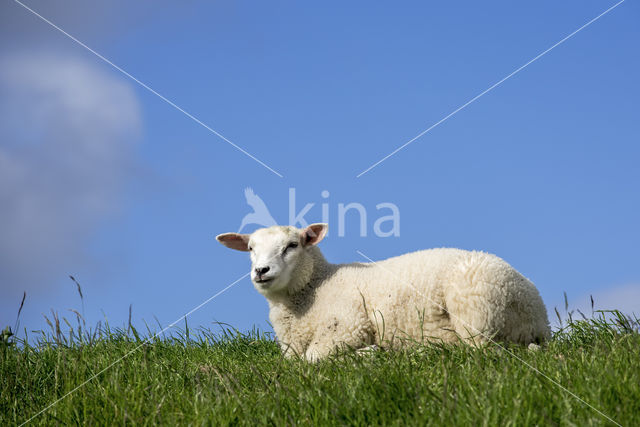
{"x":102,"y":179}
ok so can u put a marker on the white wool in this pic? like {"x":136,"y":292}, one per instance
{"x":447,"y":295}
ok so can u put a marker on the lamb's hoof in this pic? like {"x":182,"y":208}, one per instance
{"x":534,"y":347}
{"x":367,"y":350}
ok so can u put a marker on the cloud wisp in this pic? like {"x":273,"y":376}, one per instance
{"x":67,"y":137}
{"x":625,"y":298}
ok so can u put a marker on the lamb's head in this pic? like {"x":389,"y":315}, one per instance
{"x":282,"y":257}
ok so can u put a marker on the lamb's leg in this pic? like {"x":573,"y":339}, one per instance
{"x":477,"y":297}
{"x":489,"y":300}
{"x":316,"y":352}
{"x":353,"y":333}
{"x":327,"y":344}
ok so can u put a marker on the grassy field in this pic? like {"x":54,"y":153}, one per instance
{"x":232,"y":378}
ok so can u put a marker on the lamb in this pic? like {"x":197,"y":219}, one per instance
{"x":446,"y":295}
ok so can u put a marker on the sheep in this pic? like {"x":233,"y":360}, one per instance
{"x":446,"y":295}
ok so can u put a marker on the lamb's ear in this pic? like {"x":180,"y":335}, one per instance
{"x":313,"y":234}
{"x":239,"y":242}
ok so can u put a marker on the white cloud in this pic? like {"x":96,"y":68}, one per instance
{"x":67,"y":134}
{"x":625,"y":298}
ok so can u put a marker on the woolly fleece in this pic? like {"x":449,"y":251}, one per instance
{"x":447,"y":295}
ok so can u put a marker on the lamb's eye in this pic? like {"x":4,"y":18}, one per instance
{"x":290,"y":246}
{"x":250,"y":248}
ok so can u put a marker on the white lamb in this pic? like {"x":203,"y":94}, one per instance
{"x":446,"y":295}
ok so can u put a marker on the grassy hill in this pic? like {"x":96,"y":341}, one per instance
{"x":233,"y":378}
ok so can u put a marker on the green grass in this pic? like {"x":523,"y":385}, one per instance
{"x":234,"y":378}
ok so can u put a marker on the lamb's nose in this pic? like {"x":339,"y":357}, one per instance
{"x":262,"y":270}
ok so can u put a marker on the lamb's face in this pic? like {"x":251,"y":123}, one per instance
{"x":275,"y":253}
